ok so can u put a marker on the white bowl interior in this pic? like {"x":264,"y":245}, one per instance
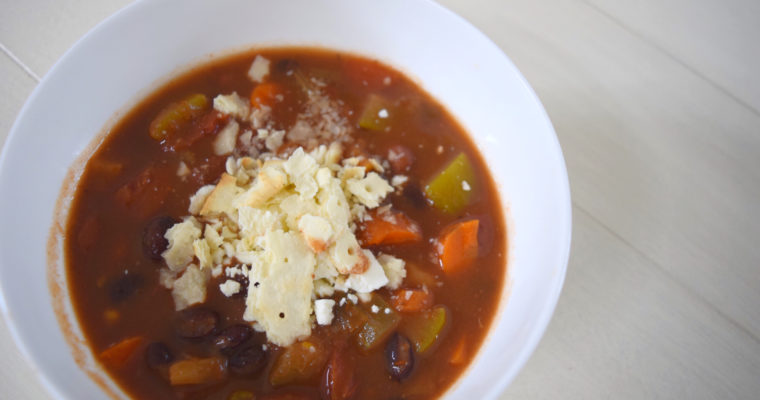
{"x":123,"y":58}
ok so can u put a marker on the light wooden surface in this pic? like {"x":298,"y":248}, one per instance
{"x":657,"y":106}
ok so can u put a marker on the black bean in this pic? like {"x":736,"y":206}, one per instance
{"x":232,"y":336}
{"x":415,"y":196}
{"x":124,"y":286}
{"x":153,"y":241}
{"x":399,"y":357}
{"x":195,"y":323}
{"x":157,"y":354}
{"x":248,"y":361}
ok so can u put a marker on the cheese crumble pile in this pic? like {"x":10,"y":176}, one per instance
{"x":287,"y":225}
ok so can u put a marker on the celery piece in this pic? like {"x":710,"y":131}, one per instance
{"x":376,"y":115}
{"x":425,"y":327}
{"x":417,"y":276}
{"x":351,"y":317}
{"x":379,"y":326}
{"x":300,"y":363}
{"x":169,"y":120}
{"x":451,"y":189}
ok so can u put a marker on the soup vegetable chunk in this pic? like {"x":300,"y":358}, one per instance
{"x":286,"y":224}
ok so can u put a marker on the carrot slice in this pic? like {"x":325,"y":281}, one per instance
{"x":411,"y":300}
{"x":457,"y":246}
{"x":265,"y":94}
{"x":389,"y":227}
{"x":118,"y":354}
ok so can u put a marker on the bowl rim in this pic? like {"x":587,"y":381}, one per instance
{"x":547,"y":308}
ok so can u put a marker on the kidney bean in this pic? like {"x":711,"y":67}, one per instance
{"x":124,"y":286}
{"x":154,"y":243}
{"x":157,"y":354}
{"x":339,"y":381}
{"x":195,"y":323}
{"x":399,"y":357}
{"x":248,"y":361}
{"x":232,"y":336}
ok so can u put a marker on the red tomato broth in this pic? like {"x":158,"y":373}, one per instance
{"x":98,"y":253}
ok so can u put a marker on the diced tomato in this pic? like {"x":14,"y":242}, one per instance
{"x":145,"y":194}
{"x":207,"y":125}
{"x":339,"y":379}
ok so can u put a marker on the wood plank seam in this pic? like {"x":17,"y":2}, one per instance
{"x":20,"y":63}
{"x":670,"y":55}
{"x":667,"y":273}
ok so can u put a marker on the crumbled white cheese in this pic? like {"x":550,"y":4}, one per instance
{"x":347,"y":255}
{"x":288,"y":226}
{"x":323,"y":288}
{"x":383,"y":113}
{"x":197,"y":200}
{"x":229,"y":287}
{"x":245,"y":137}
{"x":259,"y":69}
{"x":274,"y":140}
{"x":399,"y":180}
{"x":225,"y":140}
{"x":369,"y":190}
{"x":373,"y":278}
{"x":166,"y":277}
{"x":323,"y":311}
{"x":233,"y":105}
{"x":270,"y":181}
{"x":394,"y":270}
{"x":281,"y":301}
{"x":203,"y":253}
{"x":183,"y":170}
{"x":260,"y":116}
{"x":302,"y":168}
{"x":190,"y":288}
{"x":317,"y":232}
{"x":375,"y":309}
{"x":181,"y":236}
{"x":220,"y":200}
{"x":465,"y":186}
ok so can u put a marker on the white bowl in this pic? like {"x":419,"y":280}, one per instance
{"x":123,"y":59}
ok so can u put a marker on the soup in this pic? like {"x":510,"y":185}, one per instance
{"x":286,"y":224}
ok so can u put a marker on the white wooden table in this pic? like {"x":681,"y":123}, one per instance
{"x":657,"y":106}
